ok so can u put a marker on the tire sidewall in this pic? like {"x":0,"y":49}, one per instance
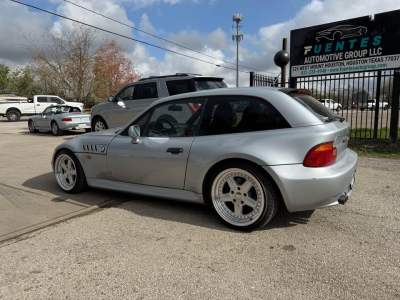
{"x":13,"y":112}
{"x":31,"y":124}
{"x":267,"y":189}
{"x":99,"y":119}
{"x":80,"y":183}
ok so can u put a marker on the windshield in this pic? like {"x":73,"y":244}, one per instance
{"x":209,"y":84}
{"x":313,"y":105}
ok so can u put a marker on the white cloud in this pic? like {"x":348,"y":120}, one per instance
{"x":145,"y":25}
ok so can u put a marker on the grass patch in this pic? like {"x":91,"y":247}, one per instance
{"x":374,"y":148}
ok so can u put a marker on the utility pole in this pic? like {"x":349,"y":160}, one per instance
{"x":237,"y":18}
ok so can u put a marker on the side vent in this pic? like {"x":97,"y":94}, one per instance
{"x":100,"y":149}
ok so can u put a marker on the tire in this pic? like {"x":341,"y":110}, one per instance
{"x":88,"y":130}
{"x":373,"y":107}
{"x":338,"y":109}
{"x":13,"y":115}
{"x":99,"y":124}
{"x":31,"y":127}
{"x":69,"y":173}
{"x":55,"y":129}
{"x":362,"y":109}
{"x":238,"y":196}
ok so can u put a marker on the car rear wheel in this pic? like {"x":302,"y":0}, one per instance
{"x":99,"y":124}
{"x":31,"y":127}
{"x":55,"y":129}
{"x":13,"y":116}
{"x":338,"y":109}
{"x":242,"y":196}
{"x":69,"y":172}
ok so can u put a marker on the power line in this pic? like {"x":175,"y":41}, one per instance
{"x":124,"y":36}
{"x":153,"y":35}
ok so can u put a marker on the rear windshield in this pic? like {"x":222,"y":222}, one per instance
{"x":209,"y":84}
{"x":313,"y":105}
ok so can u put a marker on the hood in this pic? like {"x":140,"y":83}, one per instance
{"x":111,"y":131}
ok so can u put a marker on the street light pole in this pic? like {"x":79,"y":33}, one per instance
{"x":237,"y":18}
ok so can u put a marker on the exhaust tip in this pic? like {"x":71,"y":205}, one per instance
{"x":343,"y":199}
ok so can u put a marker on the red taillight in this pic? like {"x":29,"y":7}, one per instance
{"x":303,"y":92}
{"x":320,"y":156}
{"x":66,"y":119}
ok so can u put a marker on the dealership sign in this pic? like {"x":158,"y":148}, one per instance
{"x":357,"y":45}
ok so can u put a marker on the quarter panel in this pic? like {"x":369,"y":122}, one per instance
{"x":265,"y":148}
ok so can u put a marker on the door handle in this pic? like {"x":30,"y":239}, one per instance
{"x":175,"y":150}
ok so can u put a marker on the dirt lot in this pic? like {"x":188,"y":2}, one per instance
{"x":154,"y":249}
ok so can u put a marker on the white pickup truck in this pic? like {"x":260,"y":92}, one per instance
{"x":35,"y":105}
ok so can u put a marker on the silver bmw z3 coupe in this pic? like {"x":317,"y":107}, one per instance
{"x":243,"y":151}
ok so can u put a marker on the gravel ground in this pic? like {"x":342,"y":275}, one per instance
{"x":154,"y":249}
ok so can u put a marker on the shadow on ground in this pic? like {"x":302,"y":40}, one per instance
{"x":181,"y":212}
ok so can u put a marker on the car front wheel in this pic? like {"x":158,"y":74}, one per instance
{"x":242,"y":196}
{"x":69,"y":172}
{"x":31,"y":127}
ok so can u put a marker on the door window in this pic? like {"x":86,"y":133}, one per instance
{"x":236,"y":114}
{"x":146,"y":91}
{"x":41,"y":99}
{"x":176,"y":87}
{"x":175,"y":119}
{"x":126,"y":94}
{"x":56,"y":100}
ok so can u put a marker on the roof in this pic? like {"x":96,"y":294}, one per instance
{"x":189,"y":75}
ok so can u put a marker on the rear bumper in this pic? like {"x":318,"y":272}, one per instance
{"x":73,"y":125}
{"x":305,"y":188}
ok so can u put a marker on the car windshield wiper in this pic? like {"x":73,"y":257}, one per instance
{"x":334,"y":118}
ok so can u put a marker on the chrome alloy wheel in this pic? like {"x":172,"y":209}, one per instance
{"x":54,"y":128}
{"x":65,"y":172}
{"x":13,"y":116}
{"x":31,"y":126}
{"x":238,"y":197}
{"x":99,"y":126}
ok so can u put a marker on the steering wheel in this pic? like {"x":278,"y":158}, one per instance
{"x":169,"y":123}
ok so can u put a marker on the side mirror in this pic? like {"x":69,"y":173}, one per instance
{"x":134,"y":133}
{"x":111,"y":99}
{"x":121,"y":103}
{"x":30,"y":100}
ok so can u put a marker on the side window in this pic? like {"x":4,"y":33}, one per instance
{"x":226,"y":115}
{"x":51,"y":110}
{"x":175,"y":119}
{"x":176,"y":87}
{"x":126,"y":94}
{"x":146,"y":91}
{"x":56,"y":100}
{"x":42,"y":99}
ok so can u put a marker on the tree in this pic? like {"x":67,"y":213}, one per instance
{"x":63,"y":61}
{"x":360,"y":96}
{"x":112,"y":69}
{"x":4,"y":71}
{"x":387,"y":91}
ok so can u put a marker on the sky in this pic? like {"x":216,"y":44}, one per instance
{"x":201,"y":25}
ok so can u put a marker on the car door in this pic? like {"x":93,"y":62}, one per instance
{"x":160,"y":158}
{"x":48,"y":117}
{"x":145,"y":94}
{"x":40,"y":122}
{"x":41,"y":103}
{"x":120,"y":111}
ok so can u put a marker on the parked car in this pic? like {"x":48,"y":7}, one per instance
{"x":58,"y":119}
{"x":371,"y":104}
{"x":33,"y":106}
{"x":136,"y":96}
{"x":331,"y":104}
{"x":284,"y":146}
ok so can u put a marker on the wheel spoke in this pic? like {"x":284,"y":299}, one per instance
{"x":250,"y":202}
{"x":69,"y":163}
{"x":64,"y":166}
{"x":64,"y":176}
{"x":232,"y":183}
{"x":238,"y":209}
{"x":225,"y":198}
{"x":245,"y":187}
{"x":72,"y":172}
